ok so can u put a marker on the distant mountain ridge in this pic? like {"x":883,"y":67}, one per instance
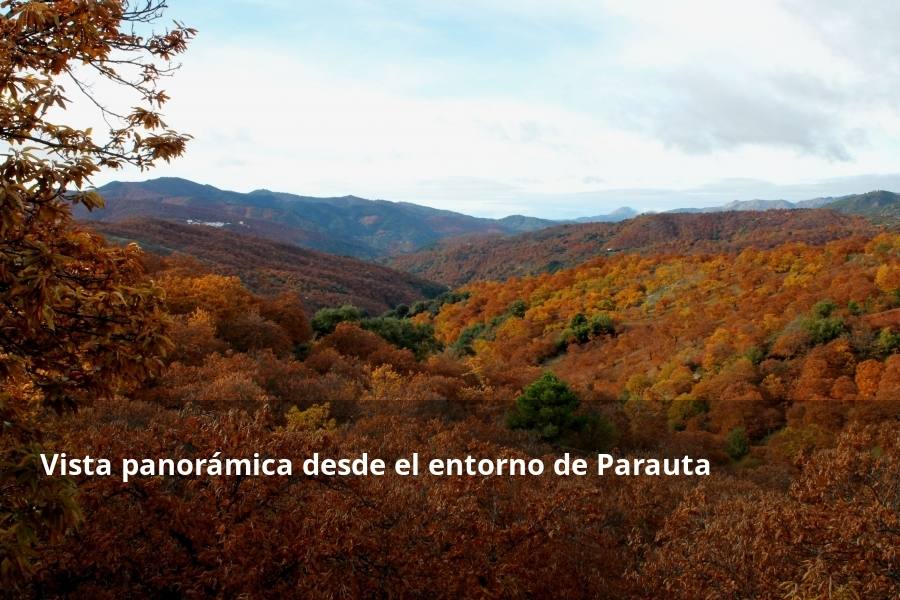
{"x":343,"y":225}
{"x":878,"y":203}
{"x":874,"y":204}
{"x":380,"y":229}
{"x":620,"y":214}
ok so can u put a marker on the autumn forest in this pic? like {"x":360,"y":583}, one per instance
{"x":767,"y":343}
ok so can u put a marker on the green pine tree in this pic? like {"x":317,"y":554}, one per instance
{"x":547,"y":407}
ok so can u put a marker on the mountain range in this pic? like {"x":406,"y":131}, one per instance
{"x":346,"y":225}
{"x":878,"y":204}
{"x":284,"y":235}
{"x":620,"y":214}
{"x":372,"y":229}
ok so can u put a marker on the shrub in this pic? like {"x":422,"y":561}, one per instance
{"x":823,"y":330}
{"x":737,"y":444}
{"x":405,"y":334}
{"x":823,"y":309}
{"x":822,"y":327}
{"x":887,"y":341}
{"x":517,"y":308}
{"x":433,"y":306}
{"x":602,"y":324}
{"x":683,"y":408}
{"x":755,"y":355}
{"x":313,"y":418}
{"x":463,"y":344}
{"x":325,"y":320}
{"x":581,"y":329}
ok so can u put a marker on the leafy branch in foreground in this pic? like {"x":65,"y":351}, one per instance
{"x":77,"y":318}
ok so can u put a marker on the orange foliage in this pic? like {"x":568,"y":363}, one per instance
{"x":692,"y":359}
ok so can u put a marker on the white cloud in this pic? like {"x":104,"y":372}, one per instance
{"x":659,"y":96}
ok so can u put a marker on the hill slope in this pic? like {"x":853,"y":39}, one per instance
{"x":267,"y":267}
{"x":877,"y":205}
{"x":456,"y":262}
{"x":346,"y":225}
{"x":781,"y":324}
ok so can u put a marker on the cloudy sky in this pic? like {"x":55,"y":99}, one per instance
{"x":554,"y":109}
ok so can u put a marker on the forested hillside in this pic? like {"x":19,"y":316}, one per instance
{"x":268,"y":267}
{"x":741,"y":371}
{"x":781,"y":366}
{"x":346,"y":225}
{"x":795,"y":322}
{"x":458,"y":261}
{"x":878,"y":205}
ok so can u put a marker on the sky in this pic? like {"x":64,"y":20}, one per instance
{"x":553,"y":109}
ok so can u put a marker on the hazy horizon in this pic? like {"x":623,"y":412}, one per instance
{"x":699,"y":198}
{"x":562,"y":110}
